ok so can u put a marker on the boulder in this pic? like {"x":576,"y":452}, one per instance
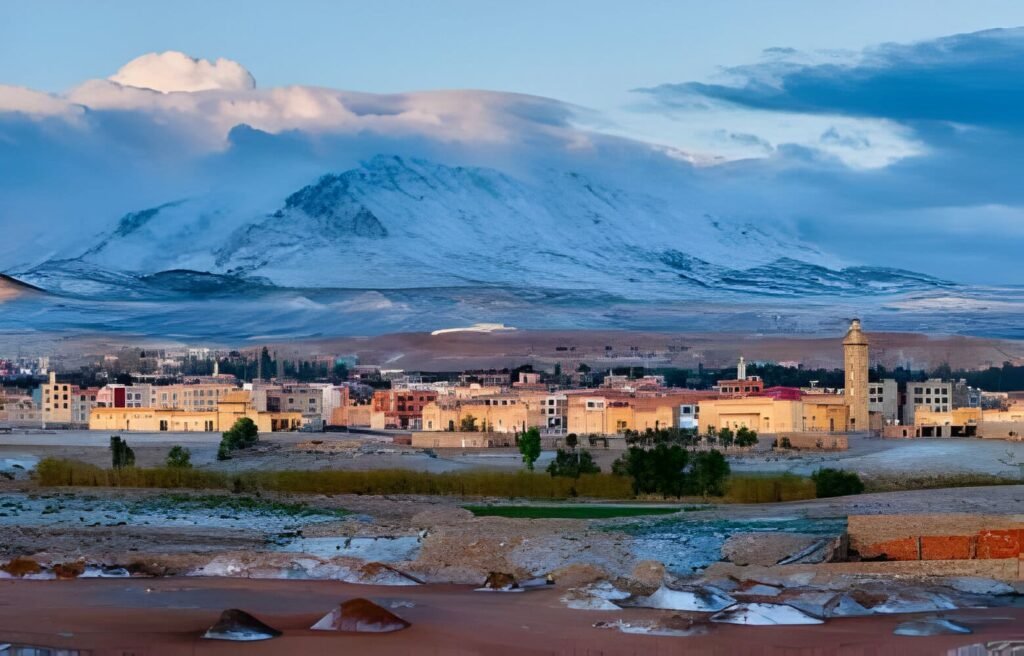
{"x":383,"y":574}
{"x":500,"y":582}
{"x":578,"y":574}
{"x":979,"y":585}
{"x":648,"y":573}
{"x":360,"y":616}
{"x":70,"y":570}
{"x":238,"y":625}
{"x":21,"y":566}
{"x":768,"y":549}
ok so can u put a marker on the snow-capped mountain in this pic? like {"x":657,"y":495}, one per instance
{"x":397,"y":223}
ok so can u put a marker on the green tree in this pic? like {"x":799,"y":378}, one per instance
{"x":179,"y":458}
{"x":830,"y":482}
{"x":571,"y":440}
{"x":726,"y":436}
{"x":468,"y":424}
{"x":709,"y":474}
{"x":121,"y":454}
{"x":572,"y":465}
{"x":746,"y":437}
{"x":659,"y":470}
{"x":242,"y":435}
{"x":529,"y":446}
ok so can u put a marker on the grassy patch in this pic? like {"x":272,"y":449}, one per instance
{"x":57,"y":472}
{"x":581,"y":511}
{"x":768,"y":488}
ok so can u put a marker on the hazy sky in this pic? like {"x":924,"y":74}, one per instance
{"x":888,"y":132}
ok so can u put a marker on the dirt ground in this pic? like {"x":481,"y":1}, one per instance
{"x":281,"y":451}
{"x":168,"y":616}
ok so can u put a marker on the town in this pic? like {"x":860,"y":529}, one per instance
{"x":203,"y":390}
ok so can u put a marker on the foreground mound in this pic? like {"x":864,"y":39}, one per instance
{"x":239,"y":625}
{"x":360,"y":616}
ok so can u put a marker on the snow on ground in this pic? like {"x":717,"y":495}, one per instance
{"x":687,"y":545}
{"x":377,"y":549}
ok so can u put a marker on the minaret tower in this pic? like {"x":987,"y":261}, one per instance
{"x":741,"y":369}
{"x":855,"y":363}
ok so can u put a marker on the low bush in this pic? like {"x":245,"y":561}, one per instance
{"x":830,"y":482}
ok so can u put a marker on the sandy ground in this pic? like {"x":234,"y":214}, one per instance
{"x":168,"y":616}
{"x":466,"y":350}
{"x":867,"y":456}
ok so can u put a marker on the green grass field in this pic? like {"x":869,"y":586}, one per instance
{"x":581,"y":511}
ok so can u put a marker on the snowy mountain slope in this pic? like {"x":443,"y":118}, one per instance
{"x":397,"y":223}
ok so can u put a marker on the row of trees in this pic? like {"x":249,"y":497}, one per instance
{"x":726,"y":437}
{"x":672,"y":471}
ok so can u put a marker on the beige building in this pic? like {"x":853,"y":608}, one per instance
{"x":228,"y":410}
{"x":192,"y":398}
{"x":817,"y":413}
{"x":56,"y":402}
{"x":855,"y":363}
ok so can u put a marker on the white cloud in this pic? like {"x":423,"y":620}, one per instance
{"x":175,"y":71}
{"x":35,"y":103}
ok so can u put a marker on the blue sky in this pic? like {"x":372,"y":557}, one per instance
{"x":582,"y":51}
{"x":845,"y":120}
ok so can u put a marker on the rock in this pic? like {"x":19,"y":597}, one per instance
{"x":239,"y":625}
{"x":383,"y":574}
{"x":598,"y":596}
{"x":978,"y":585}
{"x":360,"y":616}
{"x":915,"y":602}
{"x":577,"y":575}
{"x":70,"y":570}
{"x":500,"y":582}
{"x":931,"y":626}
{"x":764,"y":615}
{"x":649,"y":573}
{"x":843,"y":605}
{"x":674,"y":625}
{"x":142,"y":568}
{"x":768,"y":549}
{"x":755,"y":589}
{"x":694,"y":599}
{"x":22,"y":567}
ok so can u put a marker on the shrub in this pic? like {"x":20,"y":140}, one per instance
{"x":529,"y":446}
{"x":242,"y":435}
{"x":121,"y":455}
{"x":179,"y":457}
{"x":830,"y":482}
{"x":708,"y":474}
{"x":468,"y":424}
{"x":572,"y":464}
{"x":746,"y":437}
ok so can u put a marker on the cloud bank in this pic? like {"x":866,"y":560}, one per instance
{"x":898,"y":155}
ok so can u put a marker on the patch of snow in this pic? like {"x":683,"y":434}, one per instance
{"x":764,"y":615}
{"x":697,"y":599}
{"x":932,"y":626}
